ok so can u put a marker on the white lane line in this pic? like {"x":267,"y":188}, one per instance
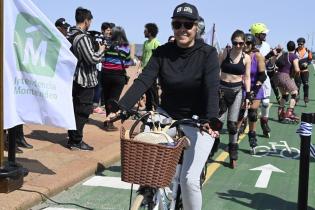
{"x":112,"y":182}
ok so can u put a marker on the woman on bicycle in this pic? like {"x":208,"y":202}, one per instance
{"x":235,"y":68}
{"x":188,"y":71}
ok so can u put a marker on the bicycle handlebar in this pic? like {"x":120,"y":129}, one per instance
{"x":215,"y":123}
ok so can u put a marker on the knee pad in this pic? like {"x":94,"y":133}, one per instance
{"x":285,"y":97}
{"x":265,"y":102}
{"x":293,"y":96}
{"x":232,"y":127}
{"x":252,"y":115}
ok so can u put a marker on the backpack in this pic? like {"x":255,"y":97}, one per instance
{"x":282,"y":60}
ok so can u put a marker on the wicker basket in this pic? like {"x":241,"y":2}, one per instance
{"x":148,"y":164}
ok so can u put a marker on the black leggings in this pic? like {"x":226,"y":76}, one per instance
{"x":112,"y":85}
{"x":303,"y":78}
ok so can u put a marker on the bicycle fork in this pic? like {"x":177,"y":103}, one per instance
{"x":175,"y":185}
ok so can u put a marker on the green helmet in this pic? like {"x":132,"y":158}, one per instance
{"x":258,"y":28}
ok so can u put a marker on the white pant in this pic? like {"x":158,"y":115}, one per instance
{"x":194,"y":160}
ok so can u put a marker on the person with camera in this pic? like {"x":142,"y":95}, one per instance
{"x":85,"y":76}
{"x":305,"y":58}
{"x":188,"y":71}
{"x":114,"y":76}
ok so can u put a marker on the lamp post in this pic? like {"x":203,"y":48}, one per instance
{"x":1,"y":88}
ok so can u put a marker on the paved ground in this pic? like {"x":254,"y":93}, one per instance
{"x":252,"y":185}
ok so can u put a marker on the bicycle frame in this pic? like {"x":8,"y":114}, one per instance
{"x":275,"y":144}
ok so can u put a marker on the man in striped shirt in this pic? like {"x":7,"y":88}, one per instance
{"x":85,"y":76}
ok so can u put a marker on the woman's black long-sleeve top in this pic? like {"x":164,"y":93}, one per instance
{"x":189,"y":79}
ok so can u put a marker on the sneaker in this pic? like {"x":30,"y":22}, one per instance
{"x":99,"y":110}
{"x":79,"y":146}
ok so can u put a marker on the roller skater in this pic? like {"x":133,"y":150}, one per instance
{"x":260,"y":31}
{"x":258,"y":76}
{"x":235,"y":68}
{"x":305,"y":58}
{"x":287,"y":86}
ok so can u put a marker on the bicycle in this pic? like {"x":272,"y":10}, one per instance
{"x":156,"y":197}
{"x":287,"y":152}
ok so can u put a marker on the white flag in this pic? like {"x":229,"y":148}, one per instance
{"x":211,"y":38}
{"x":38,"y":69}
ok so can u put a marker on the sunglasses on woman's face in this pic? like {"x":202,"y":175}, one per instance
{"x":187,"y":25}
{"x":234,"y":43}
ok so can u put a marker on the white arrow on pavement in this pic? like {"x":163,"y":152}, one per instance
{"x":264,"y":177}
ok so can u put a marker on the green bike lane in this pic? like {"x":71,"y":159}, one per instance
{"x":268,"y":182}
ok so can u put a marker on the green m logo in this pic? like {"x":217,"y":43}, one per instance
{"x":36,"y":47}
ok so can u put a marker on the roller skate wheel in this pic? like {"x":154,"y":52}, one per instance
{"x":267,"y":135}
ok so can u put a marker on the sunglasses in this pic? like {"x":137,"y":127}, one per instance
{"x":187,"y":25}
{"x":301,"y":43}
{"x":248,"y":43}
{"x":234,"y":43}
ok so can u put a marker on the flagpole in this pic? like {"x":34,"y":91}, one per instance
{"x":213,"y":32}
{"x":1,"y":88}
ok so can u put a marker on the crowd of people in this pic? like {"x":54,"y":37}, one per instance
{"x":185,"y":77}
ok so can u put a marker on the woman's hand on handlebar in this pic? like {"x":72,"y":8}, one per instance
{"x":206,"y":127}
{"x":113,"y":117}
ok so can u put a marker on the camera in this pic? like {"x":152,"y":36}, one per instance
{"x":97,"y":39}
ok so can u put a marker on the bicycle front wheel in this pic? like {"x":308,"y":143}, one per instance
{"x":137,"y":202}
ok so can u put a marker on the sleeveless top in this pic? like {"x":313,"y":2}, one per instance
{"x":229,"y":67}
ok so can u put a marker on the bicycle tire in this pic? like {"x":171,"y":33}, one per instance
{"x":290,"y":156}
{"x":136,"y":204}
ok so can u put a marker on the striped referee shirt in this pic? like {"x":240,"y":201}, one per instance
{"x":86,"y":72}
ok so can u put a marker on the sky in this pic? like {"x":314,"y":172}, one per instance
{"x":286,"y":19}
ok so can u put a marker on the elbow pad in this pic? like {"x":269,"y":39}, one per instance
{"x":261,"y":77}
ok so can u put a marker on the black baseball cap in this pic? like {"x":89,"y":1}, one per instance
{"x":61,"y":22}
{"x":187,"y":11}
